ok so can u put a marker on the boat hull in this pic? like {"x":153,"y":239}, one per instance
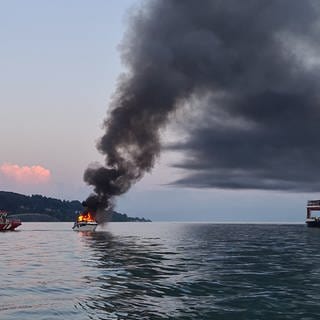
{"x":83,"y":226}
{"x":313,"y":222}
{"x":9,"y":225}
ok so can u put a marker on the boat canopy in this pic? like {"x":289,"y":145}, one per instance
{"x":313,"y":203}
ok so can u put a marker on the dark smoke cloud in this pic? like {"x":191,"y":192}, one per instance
{"x":259,"y":128}
{"x":250,"y":65}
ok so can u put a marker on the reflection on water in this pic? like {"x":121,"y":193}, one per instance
{"x":136,"y":279}
{"x":204,"y":272}
{"x":160,"y":271}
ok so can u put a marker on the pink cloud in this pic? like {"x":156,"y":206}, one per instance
{"x":25,"y":174}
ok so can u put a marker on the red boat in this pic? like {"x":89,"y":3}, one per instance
{"x":8,"y":224}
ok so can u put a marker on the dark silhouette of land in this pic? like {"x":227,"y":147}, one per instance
{"x":37,"y":208}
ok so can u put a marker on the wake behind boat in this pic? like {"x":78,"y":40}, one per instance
{"x":85,"y":222}
{"x":7,"y":224}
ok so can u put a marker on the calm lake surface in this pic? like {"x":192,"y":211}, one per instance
{"x":160,"y":271}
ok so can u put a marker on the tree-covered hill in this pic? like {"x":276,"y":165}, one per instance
{"x":47,"y":209}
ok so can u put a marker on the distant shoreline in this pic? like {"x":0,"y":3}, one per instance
{"x":40,"y":217}
{"x":37,"y":208}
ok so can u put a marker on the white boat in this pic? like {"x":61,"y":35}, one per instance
{"x":84,"y":226}
{"x":313,"y":222}
{"x":85,"y":222}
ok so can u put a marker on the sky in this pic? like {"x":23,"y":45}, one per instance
{"x":59,"y":66}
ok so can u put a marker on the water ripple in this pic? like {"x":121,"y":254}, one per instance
{"x":160,"y":271}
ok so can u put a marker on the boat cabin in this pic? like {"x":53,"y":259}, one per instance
{"x":313,"y":205}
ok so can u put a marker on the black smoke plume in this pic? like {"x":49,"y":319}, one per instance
{"x":251,"y":70}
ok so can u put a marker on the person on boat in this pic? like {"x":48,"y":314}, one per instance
{"x":3,"y":217}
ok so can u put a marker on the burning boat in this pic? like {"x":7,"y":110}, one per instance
{"x":85,"y":222}
{"x":313,"y":221}
{"x":7,"y":224}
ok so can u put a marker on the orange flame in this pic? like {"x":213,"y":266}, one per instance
{"x":86,"y":217}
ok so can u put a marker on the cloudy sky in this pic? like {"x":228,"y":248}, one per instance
{"x":60,"y":63}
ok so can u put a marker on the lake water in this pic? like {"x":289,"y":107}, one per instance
{"x":160,"y":271}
